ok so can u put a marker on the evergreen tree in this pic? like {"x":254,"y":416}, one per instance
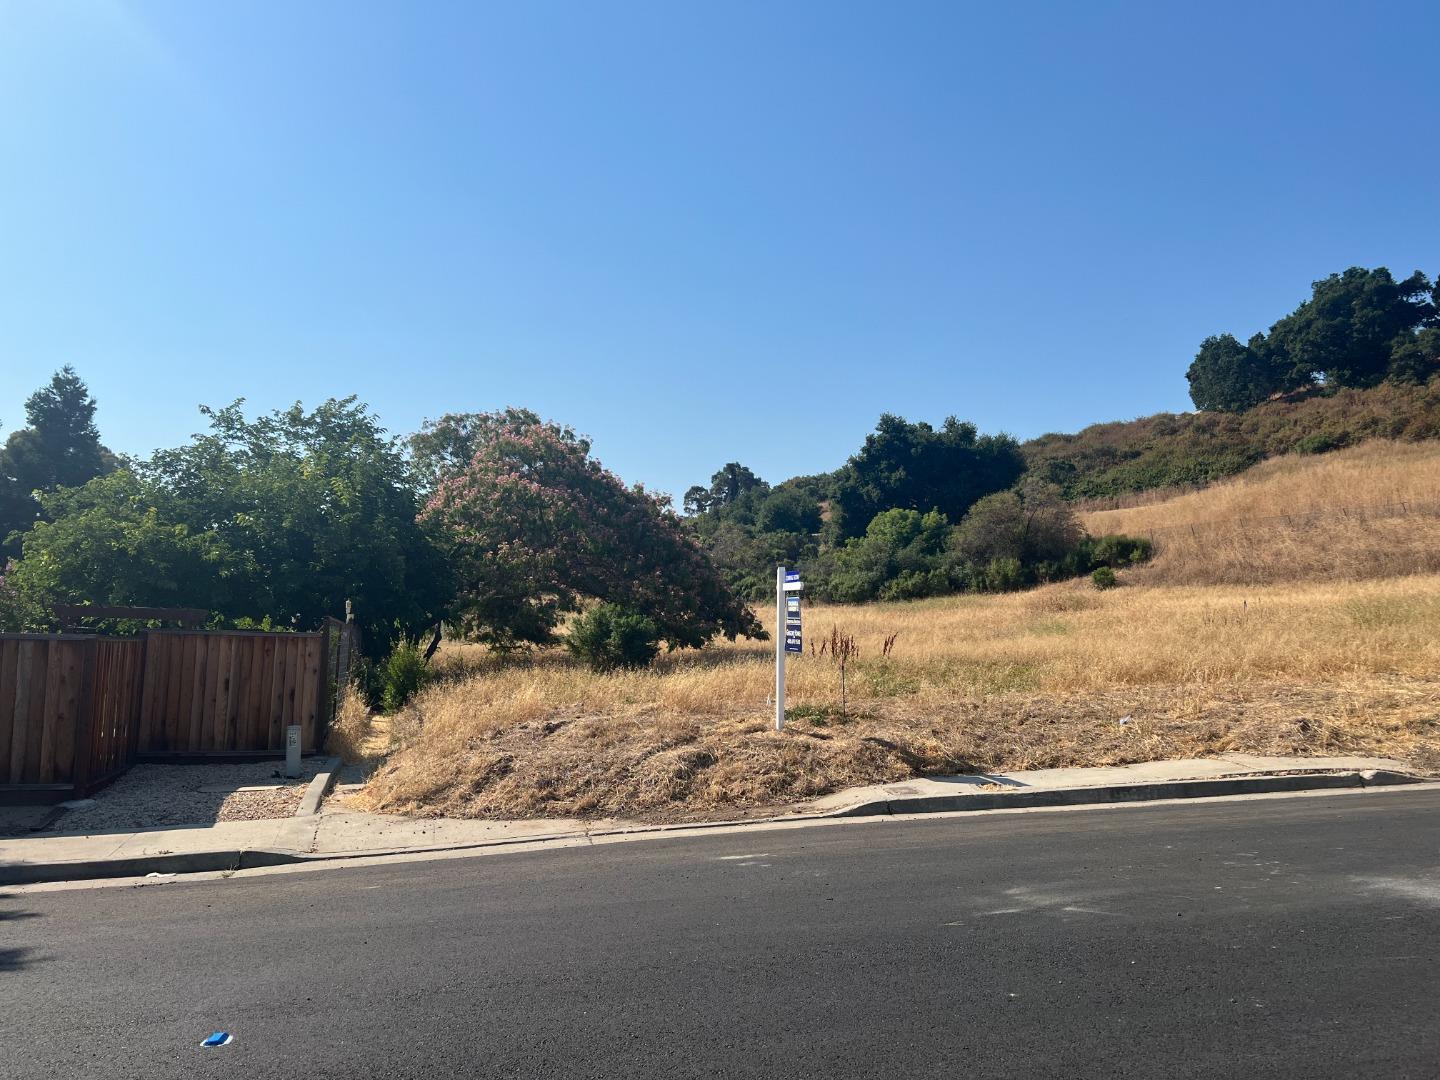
{"x":59,"y":448}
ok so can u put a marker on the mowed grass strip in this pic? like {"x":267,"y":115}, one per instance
{"x":1029,"y":680}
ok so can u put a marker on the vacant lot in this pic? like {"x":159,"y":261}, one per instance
{"x":997,"y":682}
{"x":1372,"y":511}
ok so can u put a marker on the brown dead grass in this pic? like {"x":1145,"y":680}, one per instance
{"x":1029,"y":680}
{"x":351,"y":734}
{"x":1372,"y":511}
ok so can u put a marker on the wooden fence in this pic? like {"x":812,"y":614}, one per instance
{"x":76,"y":710}
{"x":69,"y":713}
{"x":231,"y":693}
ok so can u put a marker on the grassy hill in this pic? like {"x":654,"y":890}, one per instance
{"x":1371,"y":511}
{"x":1171,"y":450}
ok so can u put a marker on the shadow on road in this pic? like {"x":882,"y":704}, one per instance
{"x":13,"y":958}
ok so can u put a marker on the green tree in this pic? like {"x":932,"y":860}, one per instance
{"x":446,"y":446}
{"x":533,"y":526}
{"x":898,"y":558}
{"x":117,"y":541}
{"x":787,"y":510}
{"x":1031,"y":527}
{"x":915,"y":467}
{"x":1347,"y":331}
{"x":282,"y":518}
{"x":59,"y":447}
{"x":1416,"y":359}
{"x":730,"y":483}
{"x":1229,"y":377}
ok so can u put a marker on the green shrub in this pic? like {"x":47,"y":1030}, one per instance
{"x":1104,"y":578}
{"x":1004,"y":575}
{"x":608,"y":637}
{"x":1322,"y":442}
{"x":401,"y":675}
{"x":1117,"y":550}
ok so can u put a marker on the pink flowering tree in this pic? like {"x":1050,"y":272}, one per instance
{"x":534,"y":526}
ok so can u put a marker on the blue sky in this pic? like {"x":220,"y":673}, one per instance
{"x":697,"y":232}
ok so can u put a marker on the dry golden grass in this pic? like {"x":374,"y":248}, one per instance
{"x":351,"y":736}
{"x":1372,"y":511}
{"x":1028,"y":680}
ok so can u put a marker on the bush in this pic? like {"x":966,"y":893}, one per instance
{"x":401,"y":675}
{"x":1116,"y":550}
{"x":1104,"y":578}
{"x":1003,"y":575}
{"x":609,"y":637}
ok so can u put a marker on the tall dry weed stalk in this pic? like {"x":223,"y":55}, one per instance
{"x":843,"y":649}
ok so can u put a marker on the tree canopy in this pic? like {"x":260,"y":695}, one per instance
{"x":280,"y":519}
{"x":729,"y":484}
{"x":59,"y":447}
{"x":1357,"y":329}
{"x":915,"y":467}
{"x":533,"y":527}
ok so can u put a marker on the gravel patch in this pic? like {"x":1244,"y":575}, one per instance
{"x":154,"y":796}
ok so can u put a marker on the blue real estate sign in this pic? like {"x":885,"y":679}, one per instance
{"x":792,"y":622}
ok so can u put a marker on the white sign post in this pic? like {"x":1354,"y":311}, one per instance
{"x":787,"y":632}
{"x":780,"y":648}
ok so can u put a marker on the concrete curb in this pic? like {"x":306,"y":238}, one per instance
{"x":247,"y":859}
{"x":318,"y":789}
{"x":1124,"y":793}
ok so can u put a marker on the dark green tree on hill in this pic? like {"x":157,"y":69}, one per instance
{"x":1356,"y":330}
{"x":59,"y":448}
{"x":731,"y":483}
{"x":1229,"y":377}
{"x":1349,"y":329}
{"x":915,"y":467}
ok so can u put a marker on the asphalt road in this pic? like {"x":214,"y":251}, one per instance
{"x":1294,"y":937}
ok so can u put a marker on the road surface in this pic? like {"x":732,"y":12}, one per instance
{"x":1281,"y":937}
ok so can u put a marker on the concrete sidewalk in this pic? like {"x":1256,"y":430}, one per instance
{"x":343,"y":834}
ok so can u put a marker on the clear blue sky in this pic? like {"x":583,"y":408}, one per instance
{"x":652,"y":220}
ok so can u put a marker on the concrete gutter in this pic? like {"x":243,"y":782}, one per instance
{"x":139,"y":865}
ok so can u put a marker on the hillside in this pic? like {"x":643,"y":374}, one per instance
{"x":1371,"y":511}
{"x":1187,"y":449}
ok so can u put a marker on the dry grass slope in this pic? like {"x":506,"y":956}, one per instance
{"x":1372,"y":511}
{"x":975,"y":683}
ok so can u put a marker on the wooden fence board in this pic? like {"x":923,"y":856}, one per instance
{"x":68,"y":662}
{"x":201,"y":664}
{"x":276,"y":736}
{"x":76,"y":709}
{"x":26,"y":652}
{"x":264,"y":683}
{"x":168,"y":683}
{"x":151,"y":717}
{"x":9,"y":661}
{"x":49,"y":708}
